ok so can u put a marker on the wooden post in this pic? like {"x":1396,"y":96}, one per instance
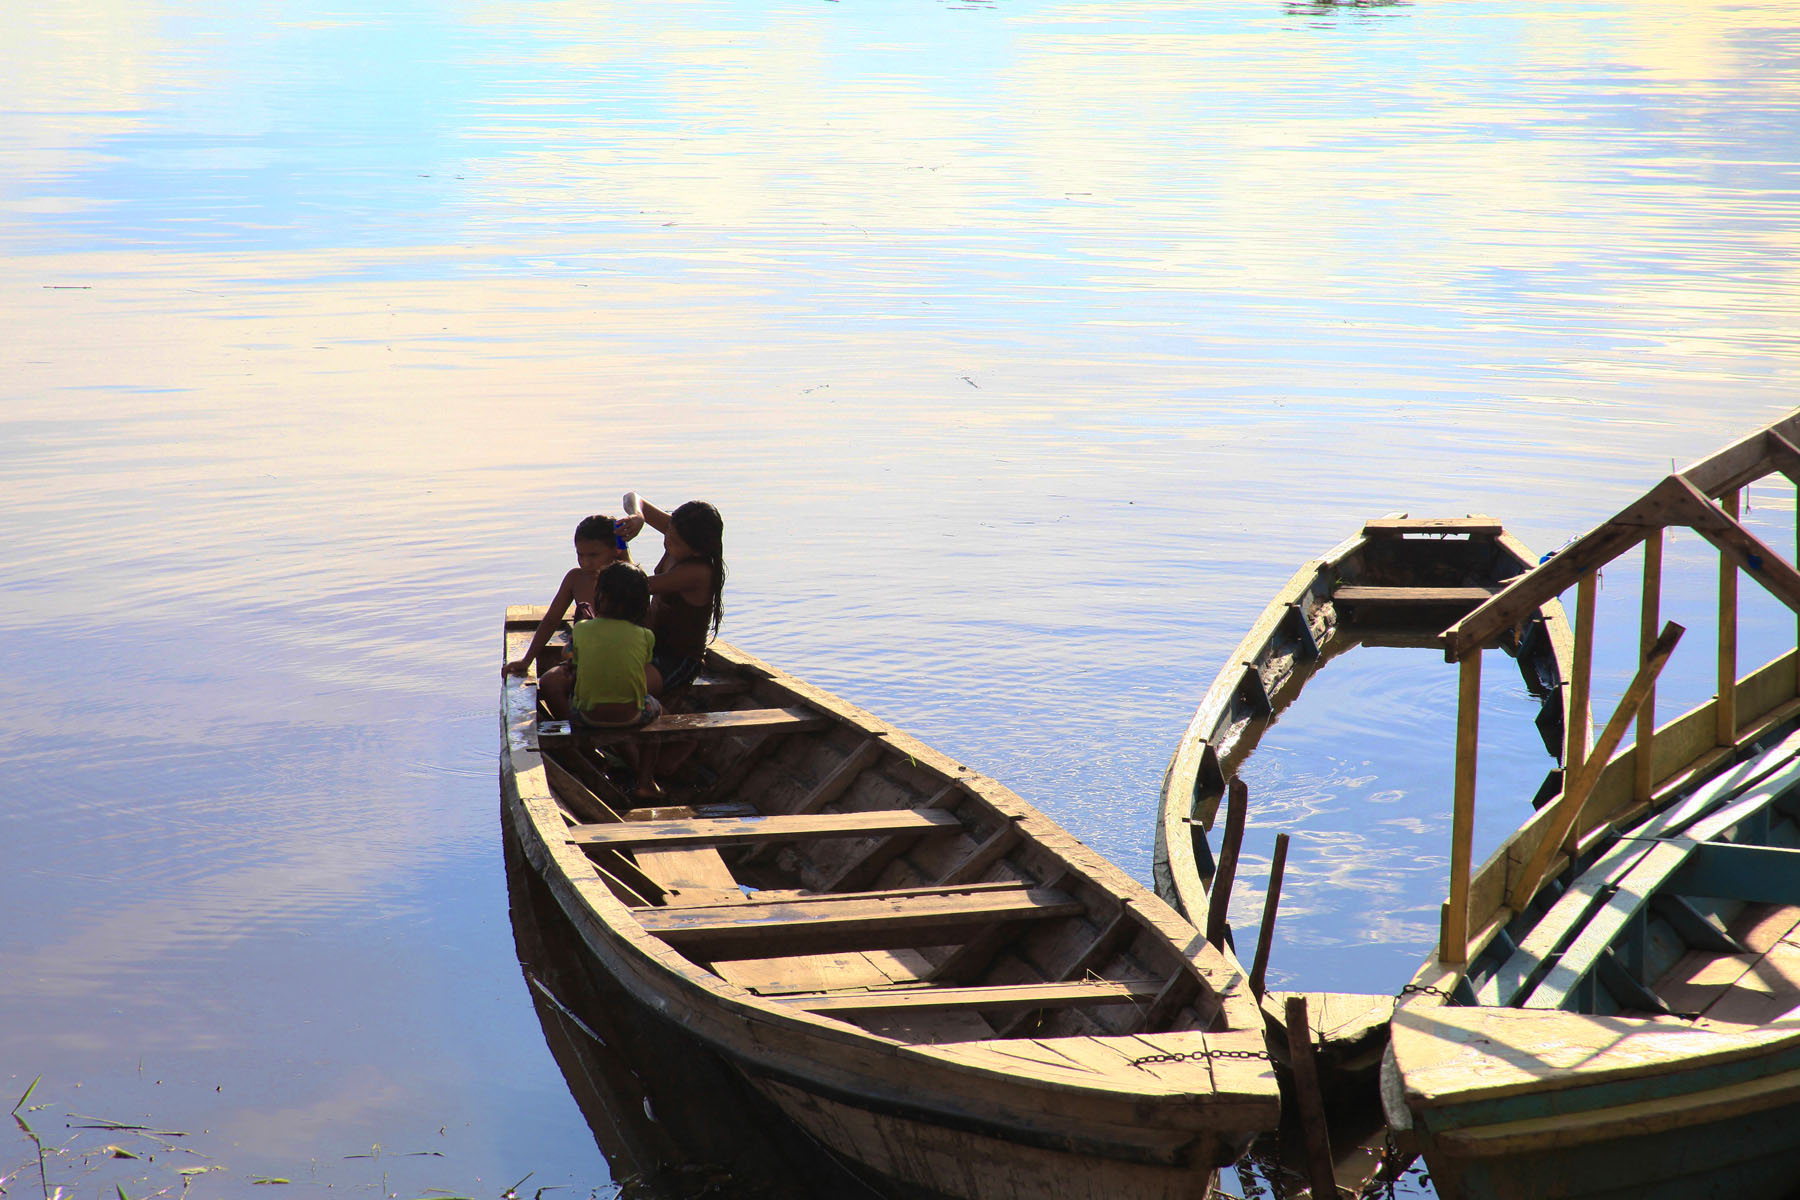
{"x":1726,"y":733}
{"x":1454,"y":944}
{"x":1642,"y":780}
{"x":1581,"y":685}
{"x":1313,"y":1129}
{"x":1218,"y":900}
{"x":1271,"y":901}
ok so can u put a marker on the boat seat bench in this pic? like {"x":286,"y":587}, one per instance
{"x":676,"y":725}
{"x":1474,"y":527}
{"x":753,"y":830}
{"x":851,"y":921}
{"x":1079,"y":993}
{"x":1407,"y":597}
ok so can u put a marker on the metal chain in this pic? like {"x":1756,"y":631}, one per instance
{"x":1199,"y":1055}
{"x":1422,"y":989}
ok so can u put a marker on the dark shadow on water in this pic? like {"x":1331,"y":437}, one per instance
{"x":674,"y":1121}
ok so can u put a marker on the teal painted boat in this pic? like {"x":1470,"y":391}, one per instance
{"x":1637,"y":1031}
{"x":1614,"y":1008}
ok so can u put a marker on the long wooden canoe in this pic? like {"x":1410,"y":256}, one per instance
{"x":921,"y":971}
{"x":1398,"y":582}
{"x":1614,"y":1008}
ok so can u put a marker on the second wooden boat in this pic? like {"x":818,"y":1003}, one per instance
{"x":921,"y":971}
{"x":1398,"y":582}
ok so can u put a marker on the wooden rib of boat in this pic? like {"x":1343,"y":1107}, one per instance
{"x":1398,"y":582}
{"x":921,"y":971}
{"x":1614,"y":1010}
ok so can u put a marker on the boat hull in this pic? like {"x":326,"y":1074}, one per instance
{"x":1741,"y":1155}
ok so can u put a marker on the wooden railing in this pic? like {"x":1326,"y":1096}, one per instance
{"x":1598,"y":788}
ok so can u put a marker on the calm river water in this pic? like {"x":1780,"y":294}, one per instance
{"x":1026,"y":346}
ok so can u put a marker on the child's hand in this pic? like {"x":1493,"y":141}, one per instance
{"x":629,"y":526}
{"x":514,"y":668}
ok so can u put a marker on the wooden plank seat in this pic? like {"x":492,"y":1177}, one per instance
{"x":1079,"y":993}
{"x":1413,"y":597}
{"x":751,"y":830}
{"x":850,"y":921}
{"x":1473,"y":527}
{"x":677,"y":725}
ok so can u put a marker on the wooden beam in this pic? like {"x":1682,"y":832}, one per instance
{"x":1579,"y":786}
{"x":1782,"y":454}
{"x":1643,"y":782}
{"x":1744,"y":461}
{"x":1454,"y":946}
{"x":1580,"y":720}
{"x":678,"y":725}
{"x":1748,"y":551}
{"x":1309,"y":1100}
{"x":1412,"y":597}
{"x":1548,"y":580}
{"x":1218,"y":895}
{"x":1265,"y":940}
{"x":743,"y":831}
{"x":1725,"y":729}
{"x":1400,"y":526}
{"x":1029,"y":996}
{"x":1668,"y":503}
{"x":813,"y":925}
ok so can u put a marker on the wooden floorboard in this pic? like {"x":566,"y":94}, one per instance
{"x":763,"y":829}
{"x":1028,"y":996}
{"x":786,"y":927}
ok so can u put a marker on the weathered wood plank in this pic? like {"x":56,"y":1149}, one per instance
{"x":755,"y":830}
{"x":1454,"y":944}
{"x":838,"y":923}
{"x":1080,"y":993}
{"x":1412,"y":597}
{"x":1475,"y":527}
{"x":674,"y":725}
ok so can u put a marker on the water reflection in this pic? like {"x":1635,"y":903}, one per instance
{"x":674,"y":1120}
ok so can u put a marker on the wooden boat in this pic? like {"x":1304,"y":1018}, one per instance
{"x":1614,"y":1010}
{"x":1398,"y":582}
{"x":922,"y":972}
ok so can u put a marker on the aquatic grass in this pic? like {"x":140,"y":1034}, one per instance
{"x":36,"y":1141}
{"x":138,"y":1160}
